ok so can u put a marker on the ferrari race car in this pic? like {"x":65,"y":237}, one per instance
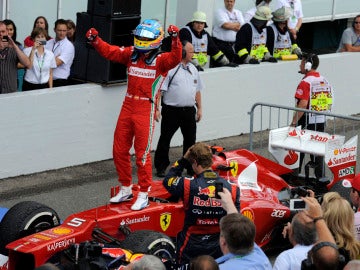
{"x":110,"y":236}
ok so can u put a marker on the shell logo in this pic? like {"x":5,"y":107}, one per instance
{"x":248,"y":213}
{"x":336,"y":152}
{"x":62,"y":231}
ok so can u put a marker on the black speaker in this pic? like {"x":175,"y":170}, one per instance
{"x":88,"y":64}
{"x":114,"y":8}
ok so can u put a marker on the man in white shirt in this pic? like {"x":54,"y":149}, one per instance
{"x":295,"y":20}
{"x":64,"y":52}
{"x":302,"y":235}
{"x":227,"y":22}
{"x":355,"y":200}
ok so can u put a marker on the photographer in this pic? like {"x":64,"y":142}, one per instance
{"x":200,"y":234}
{"x":10,"y":55}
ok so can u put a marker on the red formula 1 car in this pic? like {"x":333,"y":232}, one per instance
{"x":118,"y":234}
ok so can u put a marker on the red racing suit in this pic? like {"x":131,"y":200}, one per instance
{"x":200,"y":234}
{"x":136,"y":119}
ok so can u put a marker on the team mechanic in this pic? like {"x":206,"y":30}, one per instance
{"x":200,"y":234}
{"x":315,"y":93}
{"x":139,"y":110}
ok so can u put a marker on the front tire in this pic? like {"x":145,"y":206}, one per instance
{"x":23,"y":219}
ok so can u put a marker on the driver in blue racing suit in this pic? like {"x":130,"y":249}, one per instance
{"x":200,"y":234}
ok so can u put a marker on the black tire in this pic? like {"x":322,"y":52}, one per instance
{"x":150,"y":242}
{"x":23,"y":219}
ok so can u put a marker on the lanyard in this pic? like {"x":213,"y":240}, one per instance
{"x":40,"y":64}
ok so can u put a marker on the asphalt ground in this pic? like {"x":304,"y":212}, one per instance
{"x":17,"y":188}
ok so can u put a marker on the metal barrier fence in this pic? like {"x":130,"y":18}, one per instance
{"x":265,"y":117}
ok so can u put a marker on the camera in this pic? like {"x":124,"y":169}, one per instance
{"x":42,"y":42}
{"x":5,"y":38}
{"x":297,"y":204}
{"x":219,"y":187}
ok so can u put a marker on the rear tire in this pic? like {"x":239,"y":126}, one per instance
{"x":23,"y":219}
{"x":150,"y":242}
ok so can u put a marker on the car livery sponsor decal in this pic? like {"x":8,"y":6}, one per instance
{"x":62,"y":231}
{"x":247,"y":212}
{"x":129,"y":221}
{"x":165,"y":219}
{"x":278,"y":213}
{"x":342,"y":159}
{"x":61,"y":244}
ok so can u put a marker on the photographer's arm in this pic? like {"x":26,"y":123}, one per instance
{"x":227,"y":201}
{"x":315,"y":212}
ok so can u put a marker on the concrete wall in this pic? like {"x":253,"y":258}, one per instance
{"x":49,"y":129}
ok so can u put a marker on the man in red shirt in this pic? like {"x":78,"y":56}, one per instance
{"x":314,"y":93}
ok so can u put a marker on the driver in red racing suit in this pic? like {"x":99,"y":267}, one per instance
{"x":139,"y":110}
{"x":200,"y":234}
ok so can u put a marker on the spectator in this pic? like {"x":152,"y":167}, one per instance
{"x":355,"y":200}
{"x":279,"y":40}
{"x":12,"y":32}
{"x":295,"y":20}
{"x":200,"y":234}
{"x":350,"y":40}
{"x":302,"y":235}
{"x":250,"y":45}
{"x":227,"y":22}
{"x":41,"y":22}
{"x":203,"y":262}
{"x":146,"y":262}
{"x":10,"y":56}
{"x":339,"y":216}
{"x":42,"y":63}
{"x":323,"y":255}
{"x":203,"y":43}
{"x":311,"y":90}
{"x":237,"y":243}
{"x":71,"y":29}
{"x":251,"y":12}
{"x":64,"y":52}
{"x":181,"y":93}
{"x":136,"y":121}
{"x":352,"y":265}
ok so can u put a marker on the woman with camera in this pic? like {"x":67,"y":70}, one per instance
{"x":39,"y":75}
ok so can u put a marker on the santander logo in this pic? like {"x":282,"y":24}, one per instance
{"x":291,"y":158}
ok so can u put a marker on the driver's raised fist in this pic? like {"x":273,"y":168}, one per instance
{"x":91,"y":34}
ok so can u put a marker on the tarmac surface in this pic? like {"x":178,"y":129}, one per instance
{"x":26,"y":185}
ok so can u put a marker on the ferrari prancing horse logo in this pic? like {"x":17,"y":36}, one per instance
{"x":234,"y":167}
{"x":165,"y":220}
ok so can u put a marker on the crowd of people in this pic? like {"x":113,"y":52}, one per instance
{"x":41,"y":61}
{"x":217,"y":237}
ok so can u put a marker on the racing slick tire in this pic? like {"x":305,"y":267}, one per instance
{"x":150,"y":242}
{"x":23,"y":219}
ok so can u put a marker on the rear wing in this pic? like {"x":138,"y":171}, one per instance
{"x":286,"y":143}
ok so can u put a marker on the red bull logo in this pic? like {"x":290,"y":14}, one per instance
{"x":209,"y":191}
